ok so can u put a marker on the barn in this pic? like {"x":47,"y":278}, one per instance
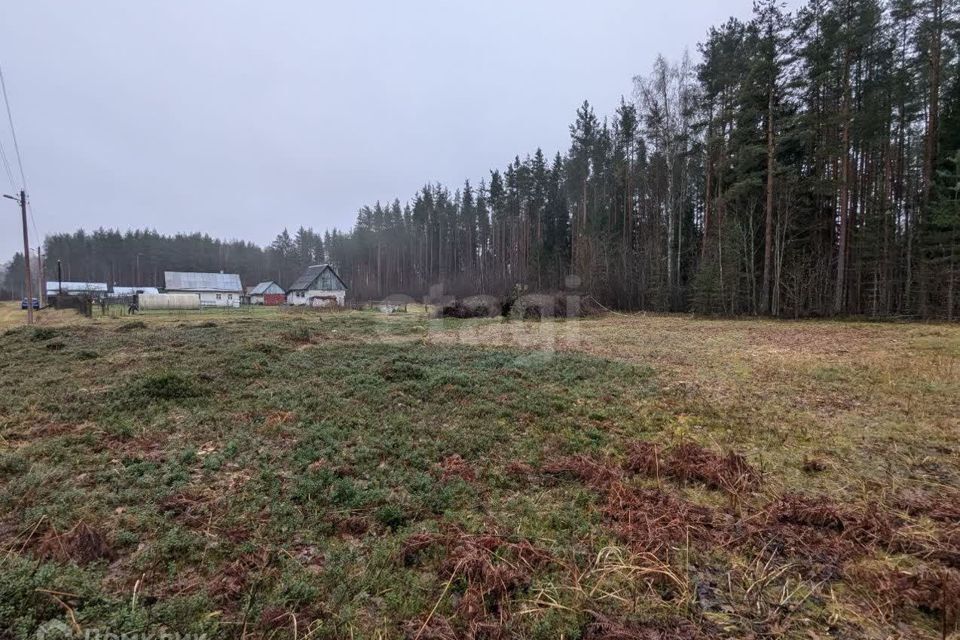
{"x":214,"y":289}
{"x":267,"y":293}
{"x":318,"y":286}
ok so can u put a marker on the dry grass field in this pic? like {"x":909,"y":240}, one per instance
{"x":278,"y":474}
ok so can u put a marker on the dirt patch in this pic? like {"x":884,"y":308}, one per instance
{"x":54,"y":429}
{"x":595,"y":474}
{"x":484,"y":570}
{"x":456,"y":467}
{"x":233,"y":579}
{"x":823,"y":535}
{"x":652,"y":520}
{"x":275,"y":619}
{"x":933,"y":591}
{"x":146,"y":446}
{"x":277,"y":418}
{"x":189,"y":508}
{"x":610,"y":629}
{"x":82,"y":545}
{"x":351,"y":525}
{"x":431,"y":628}
{"x":649,"y":520}
{"x":868,"y":525}
{"x":519,"y":470}
{"x":819,"y":537}
{"x":815,"y":512}
{"x":813,"y":466}
{"x":691,"y":462}
{"x":127,"y":327}
{"x":943,"y":506}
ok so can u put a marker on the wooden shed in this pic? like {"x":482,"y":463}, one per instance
{"x":268,"y":293}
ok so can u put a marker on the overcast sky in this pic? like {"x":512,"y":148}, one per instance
{"x":239,"y":118}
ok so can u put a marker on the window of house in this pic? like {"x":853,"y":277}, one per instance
{"x":218,"y":296}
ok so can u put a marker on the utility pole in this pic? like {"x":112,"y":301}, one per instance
{"x":26,"y":256}
{"x":22,"y":201}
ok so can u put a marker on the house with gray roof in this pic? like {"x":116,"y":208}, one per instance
{"x":318,"y":286}
{"x":214,"y":289}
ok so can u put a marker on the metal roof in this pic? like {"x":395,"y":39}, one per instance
{"x":312,"y":273}
{"x":261,"y":288}
{"x":186,"y":281}
{"x":53,"y":285}
{"x":129,"y":291}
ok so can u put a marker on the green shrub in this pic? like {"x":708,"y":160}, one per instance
{"x":299,"y":335}
{"x":392,"y":516}
{"x":12,"y":464}
{"x":168,"y":385}
{"x":41,"y":334}
{"x":132,"y":326}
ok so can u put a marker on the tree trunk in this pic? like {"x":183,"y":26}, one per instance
{"x":840,"y":289}
{"x":933,"y":113}
{"x":768,"y":225}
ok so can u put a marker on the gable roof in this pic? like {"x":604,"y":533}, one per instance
{"x":262,"y":288}
{"x":311,"y":274}
{"x":187,"y":281}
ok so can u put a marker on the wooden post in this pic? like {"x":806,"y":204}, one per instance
{"x":41,"y":281}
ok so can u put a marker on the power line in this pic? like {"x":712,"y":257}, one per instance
{"x":13,"y":131}
{"x":6,"y":167}
{"x":16,"y":148}
{"x":33,"y":223}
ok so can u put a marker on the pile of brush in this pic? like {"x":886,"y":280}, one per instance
{"x":482,"y":572}
{"x":533,"y":306}
{"x":473,"y":307}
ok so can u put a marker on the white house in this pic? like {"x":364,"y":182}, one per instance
{"x":318,"y":286}
{"x":214,"y":289}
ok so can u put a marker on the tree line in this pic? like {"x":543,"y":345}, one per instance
{"x":808,"y":164}
{"x":139,"y":258}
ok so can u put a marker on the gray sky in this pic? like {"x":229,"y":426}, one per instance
{"x":238,"y":118}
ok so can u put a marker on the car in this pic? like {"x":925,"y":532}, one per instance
{"x":24,"y":303}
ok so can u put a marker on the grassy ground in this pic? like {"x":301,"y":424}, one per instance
{"x":291,"y":475}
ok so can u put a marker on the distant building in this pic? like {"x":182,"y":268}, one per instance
{"x":267,"y":293}
{"x":395,"y":303}
{"x":76,"y":288}
{"x":124,"y":292}
{"x":214,"y":289}
{"x":318,"y":286}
